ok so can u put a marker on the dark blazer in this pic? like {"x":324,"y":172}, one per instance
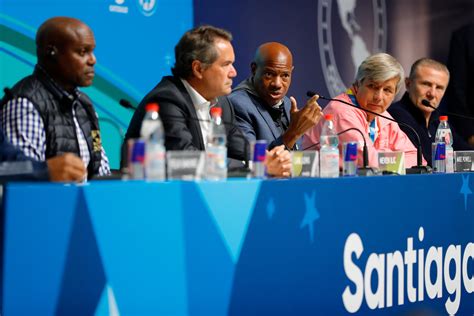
{"x":461,"y":67}
{"x":254,"y":119}
{"x":180,"y":121}
{"x":405,"y":111}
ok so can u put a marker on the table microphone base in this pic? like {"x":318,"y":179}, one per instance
{"x":366,"y":171}
{"x":419,"y":170}
{"x":241,"y":172}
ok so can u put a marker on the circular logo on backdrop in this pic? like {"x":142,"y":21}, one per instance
{"x":348,"y":32}
{"x":147,"y":7}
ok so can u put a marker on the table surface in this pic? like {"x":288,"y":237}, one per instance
{"x":241,"y":247}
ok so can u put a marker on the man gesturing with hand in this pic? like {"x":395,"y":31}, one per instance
{"x":262,"y":109}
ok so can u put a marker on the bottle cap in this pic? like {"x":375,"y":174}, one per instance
{"x":328,"y":117}
{"x":443,"y":118}
{"x":152,"y":107}
{"x":216,"y":111}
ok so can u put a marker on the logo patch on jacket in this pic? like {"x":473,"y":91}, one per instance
{"x":96,"y":141}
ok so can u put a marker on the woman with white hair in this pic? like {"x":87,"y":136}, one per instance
{"x":378,"y":80}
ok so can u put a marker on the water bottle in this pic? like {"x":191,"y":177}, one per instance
{"x":216,"y":152}
{"x":329,"y":152}
{"x":153,"y":135}
{"x":444,"y":135}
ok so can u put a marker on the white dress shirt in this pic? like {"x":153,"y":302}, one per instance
{"x":202,"y":107}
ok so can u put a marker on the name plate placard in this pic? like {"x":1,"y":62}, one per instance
{"x":185,"y":164}
{"x":393,"y":161}
{"x":305,"y":163}
{"x":464,"y":161}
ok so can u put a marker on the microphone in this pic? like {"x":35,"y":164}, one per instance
{"x":8,"y":96}
{"x":8,"y":93}
{"x":419,"y":168}
{"x":126,"y":104}
{"x":245,"y":169}
{"x":365,"y":170}
{"x":365,"y":153}
{"x":428,"y":104}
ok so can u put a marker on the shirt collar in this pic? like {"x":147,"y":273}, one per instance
{"x":199,"y":102}
{"x":376,"y":121}
{"x":56,"y":86}
{"x":409,"y":106}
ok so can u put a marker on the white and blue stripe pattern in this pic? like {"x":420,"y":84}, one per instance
{"x":25,"y":129}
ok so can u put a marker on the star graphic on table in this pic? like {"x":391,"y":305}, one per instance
{"x":270,"y":208}
{"x":465,"y":190}
{"x":311,"y":214}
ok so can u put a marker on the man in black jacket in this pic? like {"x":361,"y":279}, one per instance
{"x":428,"y":80}
{"x":202,"y":76}
{"x":461,"y":66}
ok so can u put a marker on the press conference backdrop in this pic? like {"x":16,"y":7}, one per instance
{"x":135,"y":40}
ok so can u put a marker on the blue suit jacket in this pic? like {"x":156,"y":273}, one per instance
{"x":253,"y":118}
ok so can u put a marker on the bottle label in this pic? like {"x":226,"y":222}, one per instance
{"x":155,"y":161}
{"x":216,"y":162}
{"x":259,"y":150}
{"x":449,"y":159}
{"x":350,"y":151}
{"x":136,"y":158}
{"x":329,"y":163}
{"x":439,"y":157}
{"x":440,"y":151}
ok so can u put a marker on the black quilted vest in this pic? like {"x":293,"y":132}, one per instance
{"x":55,"y":108}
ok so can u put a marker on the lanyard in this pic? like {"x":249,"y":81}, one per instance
{"x":372,"y":125}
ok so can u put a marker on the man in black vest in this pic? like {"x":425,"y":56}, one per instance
{"x":45,"y":114}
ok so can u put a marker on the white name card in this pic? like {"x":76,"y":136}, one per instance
{"x":393,"y":161}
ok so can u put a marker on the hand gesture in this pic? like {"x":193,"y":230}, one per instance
{"x":301,"y":120}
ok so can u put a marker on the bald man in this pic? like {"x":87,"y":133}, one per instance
{"x":45,"y":114}
{"x":262,"y":109}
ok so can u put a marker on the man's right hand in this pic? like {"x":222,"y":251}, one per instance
{"x":301,"y":120}
{"x":67,"y":167}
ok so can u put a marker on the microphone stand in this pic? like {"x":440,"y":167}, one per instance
{"x":127,"y":104}
{"x":419,"y":168}
{"x":428,"y":104}
{"x":365,"y":170}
